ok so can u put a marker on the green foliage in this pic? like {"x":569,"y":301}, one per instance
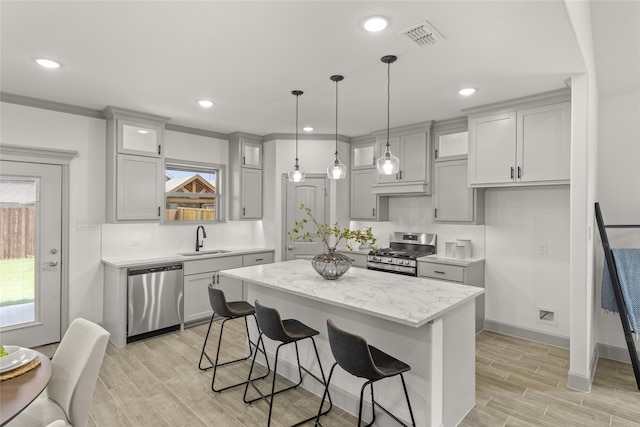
{"x":326,"y":233}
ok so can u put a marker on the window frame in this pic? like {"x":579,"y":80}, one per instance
{"x":219,"y":196}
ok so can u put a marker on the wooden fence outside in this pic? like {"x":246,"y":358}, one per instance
{"x":18,"y":232}
{"x":190,"y":214}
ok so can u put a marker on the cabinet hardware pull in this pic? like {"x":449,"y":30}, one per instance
{"x":259,"y":259}
{"x":435,"y":213}
{"x":519,"y":174}
{"x":159,"y":149}
{"x":400,"y":174}
{"x":439,"y":272}
{"x":244,"y":160}
{"x":158,"y":211}
{"x":373,"y":212}
{"x":243,"y":211}
{"x":374,"y":160}
{"x":511,"y":172}
{"x":436,"y":153}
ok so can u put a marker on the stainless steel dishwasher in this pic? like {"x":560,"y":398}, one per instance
{"x":155,"y":299}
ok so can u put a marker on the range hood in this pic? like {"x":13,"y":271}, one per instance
{"x":414,"y":188}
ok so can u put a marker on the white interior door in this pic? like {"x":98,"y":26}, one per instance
{"x":311,"y":193}
{"x":30,"y":272}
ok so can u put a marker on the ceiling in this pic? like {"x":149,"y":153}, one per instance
{"x":160,"y":57}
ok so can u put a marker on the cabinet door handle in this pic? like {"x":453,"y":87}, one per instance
{"x":158,"y":211}
{"x":511,"y":172}
{"x":519,"y":173}
{"x":159,"y":149}
{"x":400,"y":174}
{"x":438,"y":272}
{"x":244,"y":160}
{"x":259,"y":259}
{"x":435,"y":213}
{"x":243,"y":211}
{"x":373,"y":212}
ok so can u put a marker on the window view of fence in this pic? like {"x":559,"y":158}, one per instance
{"x":190,"y":194}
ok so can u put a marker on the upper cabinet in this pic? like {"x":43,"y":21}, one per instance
{"x":365,"y":205}
{"x":453,"y":199}
{"x":363,"y":155}
{"x":412,"y":145}
{"x":526,"y":144}
{"x":135,"y":184}
{"x":245,"y":176}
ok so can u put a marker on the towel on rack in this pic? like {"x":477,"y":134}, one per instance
{"x":627,"y":262}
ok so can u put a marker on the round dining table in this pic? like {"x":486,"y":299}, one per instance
{"x":18,"y":392}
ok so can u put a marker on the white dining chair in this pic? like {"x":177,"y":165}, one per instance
{"x":57,"y":423}
{"x":76,"y":365}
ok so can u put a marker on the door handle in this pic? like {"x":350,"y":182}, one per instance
{"x":290,"y":247}
{"x":53,"y":263}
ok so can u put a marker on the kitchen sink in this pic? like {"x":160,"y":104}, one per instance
{"x":212,"y":252}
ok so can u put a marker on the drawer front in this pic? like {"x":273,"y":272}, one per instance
{"x":440,"y":271}
{"x":257,"y":259}
{"x":359,"y":260}
{"x":211,"y":264}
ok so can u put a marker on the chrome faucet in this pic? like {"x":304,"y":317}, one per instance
{"x":204,"y":236}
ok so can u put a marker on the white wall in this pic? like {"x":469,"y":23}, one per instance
{"x":33,"y":127}
{"x":618,"y":190}
{"x":518,"y":279}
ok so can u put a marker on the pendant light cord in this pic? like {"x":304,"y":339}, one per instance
{"x":297,"y":98}
{"x":388,"y":102}
{"x":336,"y":120}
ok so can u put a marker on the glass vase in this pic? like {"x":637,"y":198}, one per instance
{"x":331,"y":264}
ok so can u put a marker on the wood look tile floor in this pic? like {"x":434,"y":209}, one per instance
{"x":156,"y":382}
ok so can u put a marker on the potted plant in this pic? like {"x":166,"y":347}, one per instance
{"x":330,"y":264}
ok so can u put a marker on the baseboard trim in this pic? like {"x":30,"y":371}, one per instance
{"x":516,"y":331}
{"x":580,"y":382}
{"x":619,"y":354}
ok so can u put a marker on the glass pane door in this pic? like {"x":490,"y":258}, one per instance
{"x":17,"y":268}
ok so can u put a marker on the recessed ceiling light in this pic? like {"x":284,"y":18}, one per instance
{"x":467,"y":91}
{"x":375,"y":24}
{"x":205,"y":103}
{"x":307,"y":129}
{"x":47,"y":63}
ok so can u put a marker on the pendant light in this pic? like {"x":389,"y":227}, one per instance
{"x":296,"y":175}
{"x":388,"y":164}
{"x":336,"y":169}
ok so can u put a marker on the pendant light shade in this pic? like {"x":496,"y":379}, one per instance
{"x":296,"y":175}
{"x":388,"y":164}
{"x":336,"y":169}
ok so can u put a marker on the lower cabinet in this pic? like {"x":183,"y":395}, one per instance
{"x":464,"y":273}
{"x":359,"y":259}
{"x":198,"y":275}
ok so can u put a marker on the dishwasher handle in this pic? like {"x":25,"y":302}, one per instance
{"x":154,"y":269}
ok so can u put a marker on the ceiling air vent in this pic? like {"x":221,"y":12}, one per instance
{"x":422,"y":34}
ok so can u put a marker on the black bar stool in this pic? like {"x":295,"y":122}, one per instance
{"x":228,"y":310}
{"x":286,"y":332}
{"x":358,"y":358}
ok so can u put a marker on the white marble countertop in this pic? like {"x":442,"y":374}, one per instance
{"x":441,"y":259}
{"x":412,"y":301}
{"x":161,"y":258}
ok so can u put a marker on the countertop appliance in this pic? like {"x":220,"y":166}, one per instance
{"x":402,"y":254}
{"x":155,"y":299}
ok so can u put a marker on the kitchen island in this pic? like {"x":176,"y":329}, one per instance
{"x":427,"y":323}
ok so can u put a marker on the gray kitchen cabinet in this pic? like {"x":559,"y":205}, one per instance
{"x":412,"y":145}
{"x":198,"y":274}
{"x":453,"y":199}
{"x":464,"y":272}
{"x":364,"y":204}
{"x":245,"y":176}
{"x":134,"y":156}
{"x":526,"y":145}
{"x":359,"y":258}
{"x":363,"y":155}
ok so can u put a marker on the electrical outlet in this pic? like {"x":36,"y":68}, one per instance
{"x":543,"y":249}
{"x":135,"y":242}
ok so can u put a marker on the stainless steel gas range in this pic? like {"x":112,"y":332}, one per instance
{"x":402,"y":254}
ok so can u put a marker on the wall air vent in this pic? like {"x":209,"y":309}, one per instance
{"x":422,"y":34}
